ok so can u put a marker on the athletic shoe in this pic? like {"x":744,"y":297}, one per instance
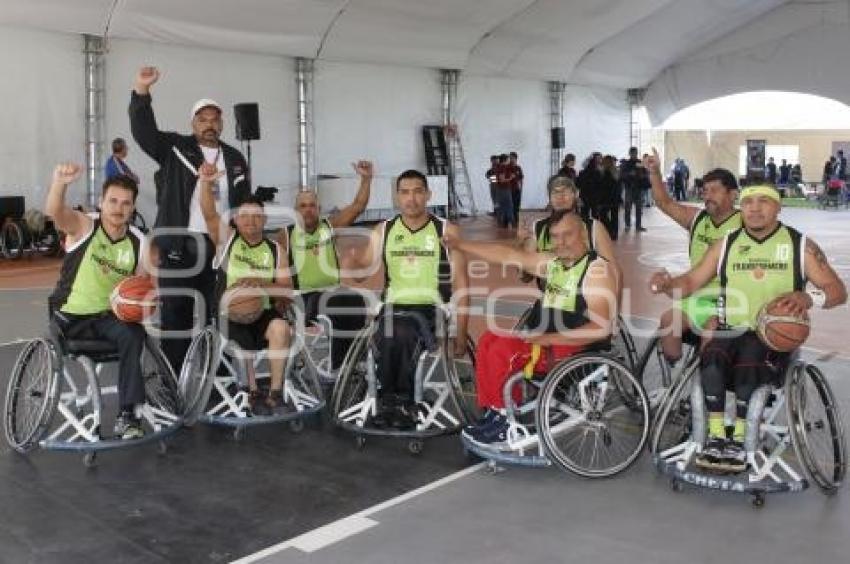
{"x":128,"y":427}
{"x":486,"y":419}
{"x":275,"y":403}
{"x":405,"y":417}
{"x":640,"y":229}
{"x":712,"y":454}
{"x":734,"y":457}
{"x":255,"y":402}
{"x":497,"y":432}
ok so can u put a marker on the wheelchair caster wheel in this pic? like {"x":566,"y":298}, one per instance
{"x":415,"y":447}
{"x":360,"y":442}
{"x":758,"y":501}
{"x":676,"y":485}
{"x":493,"y":468}
{"x":296,"y":425}
{"x":162,"y":448}
{"x":90,"y":459}
{"x":238,"y":433}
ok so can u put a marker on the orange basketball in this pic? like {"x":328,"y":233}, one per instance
{"x":243,"y":305}
{"x":780,"y":330}
{"x":134,"y":299}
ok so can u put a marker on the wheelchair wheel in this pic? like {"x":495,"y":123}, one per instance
{"x":461,"y":377}
{"x":161,"y":388}
{"x":816,"y":428}
{"x":32,"y":394}
{"x":672,"y":423}
{"x":585,"y":423}
{"x":49,"y":243}
{"x":13,"y":240}
{"x":302,"y":374}
{"x":197,"y":373}
{"x":623,"y":346}
{"x":351,"y":385}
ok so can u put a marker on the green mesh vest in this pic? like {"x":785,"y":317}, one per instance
{"x":312,"y":257}
{"x":416,"y":264}
{"x":754,"y":272}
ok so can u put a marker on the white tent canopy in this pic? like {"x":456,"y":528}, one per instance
{"x":375,"y":78}
{"x":619,"y":43}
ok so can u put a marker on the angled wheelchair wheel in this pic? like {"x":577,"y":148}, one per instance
{"x":161,"y":388}
{"x":350,"y":386}
{"x":817,"y":430}
{"x":303,"y":375}
{"x":198,"y":372}
{"x":13,"y":240}
{"x":461,"y":377}
{"x":32,"y":394}
{"x":672,"y":423}
{"x":623,"y":346}
{"x":586,"y":425}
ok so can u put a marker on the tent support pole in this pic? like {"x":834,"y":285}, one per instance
{"x":306,"y":131}
{"x":556,"y":118}
{"x":94,"y":50}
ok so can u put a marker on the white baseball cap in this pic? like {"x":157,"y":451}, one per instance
{"x":204,"y":103}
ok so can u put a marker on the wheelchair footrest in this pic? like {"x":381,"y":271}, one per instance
{"x":738,"y":483}
{"x":109,"y":444}
{"x":505,"y":456}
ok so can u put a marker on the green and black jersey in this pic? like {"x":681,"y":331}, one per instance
{"x":753,"y":272}
{"x":565,"y":293}
{"x":312,"y":257}
{"x":93,"y":267}
{"x":416,"y":263}
{"x":704,"y":233}
{"x":240,"y":259}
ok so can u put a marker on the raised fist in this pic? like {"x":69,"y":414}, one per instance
{"x":66,"y":173}
{"x":653,"y":161}
{"x":146,"y":77}
{"x":209,"y":174}
{"x":363,"y":168}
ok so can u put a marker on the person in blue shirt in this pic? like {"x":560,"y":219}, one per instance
{"x":115,"y":165}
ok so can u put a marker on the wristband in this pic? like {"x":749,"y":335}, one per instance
{"x":818,"y":298}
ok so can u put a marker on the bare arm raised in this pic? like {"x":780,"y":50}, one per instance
{"x":681,"y":214}
{"x":348,"y":214}
{"x":75,"y":224}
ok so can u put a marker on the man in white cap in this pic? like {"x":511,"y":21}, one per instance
{"x":185,"y":249}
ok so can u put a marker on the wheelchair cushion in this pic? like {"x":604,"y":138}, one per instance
{"x":89,"y":347}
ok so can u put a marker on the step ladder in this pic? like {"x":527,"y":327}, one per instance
{"x":444,"y":156}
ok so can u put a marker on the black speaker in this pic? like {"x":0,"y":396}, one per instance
{"x":247,"y":121}
{"x":558,"y":138}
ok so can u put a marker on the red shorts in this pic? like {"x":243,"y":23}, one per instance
{"x":499,"y":356}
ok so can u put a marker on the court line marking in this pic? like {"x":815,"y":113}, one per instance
{"x":345,"y":527}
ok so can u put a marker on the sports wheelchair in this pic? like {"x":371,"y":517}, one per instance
{"x":444,"y":389}
{"x":657,"y":374}
{"x":55,"y":398}
{"x":213,"y":379}
{"x":802,"y":418}
{"x":587,"y":415}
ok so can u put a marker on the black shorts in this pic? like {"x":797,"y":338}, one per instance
{"x":745,"y":355}
{"x":252,"y":336}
